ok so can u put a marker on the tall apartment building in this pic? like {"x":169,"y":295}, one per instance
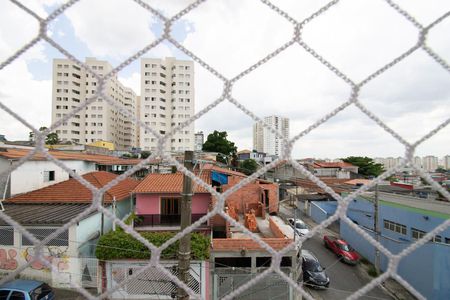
{"x":430,"y":163}
{"x":266,"y":141}
{"x":199,"y":141}
{"x":99,"y":120}
{"x":167,"y":100}
{"x":446,"y":162}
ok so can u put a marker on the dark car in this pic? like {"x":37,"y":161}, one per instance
{"x":313,"y":273}
{"x":21,"y":289}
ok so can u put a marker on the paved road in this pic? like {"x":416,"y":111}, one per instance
{"x":344,"y":279}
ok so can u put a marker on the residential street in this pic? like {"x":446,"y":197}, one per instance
{"x":344,"y":279}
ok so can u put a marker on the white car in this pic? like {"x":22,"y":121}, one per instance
{"x":299,"y":226}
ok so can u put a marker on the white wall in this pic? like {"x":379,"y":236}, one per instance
{"x":30,"y":175}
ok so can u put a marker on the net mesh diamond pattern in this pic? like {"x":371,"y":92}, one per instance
{"x":343,"y":202}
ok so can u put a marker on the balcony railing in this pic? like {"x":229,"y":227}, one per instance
{"x":163,"y":220}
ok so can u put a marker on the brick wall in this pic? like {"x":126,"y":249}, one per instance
{"x":248,"y":244}
{"x":276,"y":229}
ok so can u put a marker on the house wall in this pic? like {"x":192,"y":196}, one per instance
{"x":63,"y":258}
{"x":33,"y":171}
{"x":5,"y":186}
{"x":251,"y":193}
{"x":91,"y":226}
{"x":150,"y":204}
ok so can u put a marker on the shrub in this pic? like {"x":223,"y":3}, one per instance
{"x":372,"y":271}
{"x":121,"y":245}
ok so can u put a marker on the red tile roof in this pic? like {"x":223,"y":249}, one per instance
{"x":169,"y":183}
{"x":211,"y":167}
{"x":72,"y":191}
{"x":15,"y":154}
{"x":319,"y":164}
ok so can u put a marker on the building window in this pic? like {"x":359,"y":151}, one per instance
{"x":7,"y":236}
{"x":41,"y":233}
{"x":417,"y":234}
{"x":49,"y":176}
{"x":396,"y":227}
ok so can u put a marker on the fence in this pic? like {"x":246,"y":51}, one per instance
{"x":151,"y":283}
{"x":228,"y":85}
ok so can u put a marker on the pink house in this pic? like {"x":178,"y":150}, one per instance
{"x":158,"y":200}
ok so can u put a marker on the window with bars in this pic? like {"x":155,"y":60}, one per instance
{"x":6,"y":236}
{"x":41,"y":233}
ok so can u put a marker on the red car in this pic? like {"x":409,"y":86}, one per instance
{"x":342,"y":249}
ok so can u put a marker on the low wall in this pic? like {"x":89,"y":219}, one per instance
{"x":276,"y":229}
{"x":248,"y":244}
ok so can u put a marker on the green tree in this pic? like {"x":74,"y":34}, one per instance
{"x":218,"y":142}
{"x":366,"y":165}
{"x":248,"y":166}
{"x":51,"y":139}
{"x":145,"y":154}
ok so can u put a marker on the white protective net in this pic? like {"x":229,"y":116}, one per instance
{"x":298,"y":26}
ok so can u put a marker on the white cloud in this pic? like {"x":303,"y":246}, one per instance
{"x":133,"y":81}
{"x":28,"y":97}
{"x":111,"y":29}
{"x":356,"y":37}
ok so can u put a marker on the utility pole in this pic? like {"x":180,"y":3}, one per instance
{"x":377,"y":230}
{"x":184,"y":252}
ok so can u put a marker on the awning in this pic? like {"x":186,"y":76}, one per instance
{"x":219,"y":177}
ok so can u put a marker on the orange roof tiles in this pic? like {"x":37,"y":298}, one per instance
{"x":319,"y":164}
{"x":212,"y":167}
{"x":72,"y":191}
{"x":15,"y":153}
{"x":169,"y":183}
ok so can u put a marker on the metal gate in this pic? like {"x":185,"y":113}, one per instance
{"x":89,"y":272}
{"x":270,"y":287}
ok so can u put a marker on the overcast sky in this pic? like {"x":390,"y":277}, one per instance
{"x":357,"y":37}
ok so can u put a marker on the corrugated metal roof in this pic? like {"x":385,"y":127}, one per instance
{"x":42,"y":214}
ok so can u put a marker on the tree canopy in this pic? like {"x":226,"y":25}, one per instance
{"x":366,"y":165}
{"x":218,"y":142}
{"x":51,"y":139}
{"x":248,"y":166}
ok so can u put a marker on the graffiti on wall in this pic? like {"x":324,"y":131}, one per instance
{"x":8,"y":259}
{"x":54,"y":255}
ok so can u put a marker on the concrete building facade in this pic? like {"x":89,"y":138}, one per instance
{"x":430,"y":163}
{"x":72,"y":86}
{"x":266,"y":141}
{"x":167,"y":100}
{"x":199,"y":140}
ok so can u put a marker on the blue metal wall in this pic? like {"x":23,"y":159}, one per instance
{"x":427,"y":268}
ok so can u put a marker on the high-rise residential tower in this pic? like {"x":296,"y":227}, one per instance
{"x":430,"y":163}
{"x":99,"y":120}
{"x":266,"y":141}
{"x":167,"y":100}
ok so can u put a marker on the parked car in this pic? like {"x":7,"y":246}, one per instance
{"x":342,"y":249}
{"x":299,"y":226}
{"x":21,"y":289}
{"x":313,"y":273}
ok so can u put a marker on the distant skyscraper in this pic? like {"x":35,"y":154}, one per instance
{"x":430,"y":163}
{"x":447,"y":162}
{"x":266,"y":141}
{"x":72,"y":86}
{"x":199,"y":140}
{"x":167,"y":100}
